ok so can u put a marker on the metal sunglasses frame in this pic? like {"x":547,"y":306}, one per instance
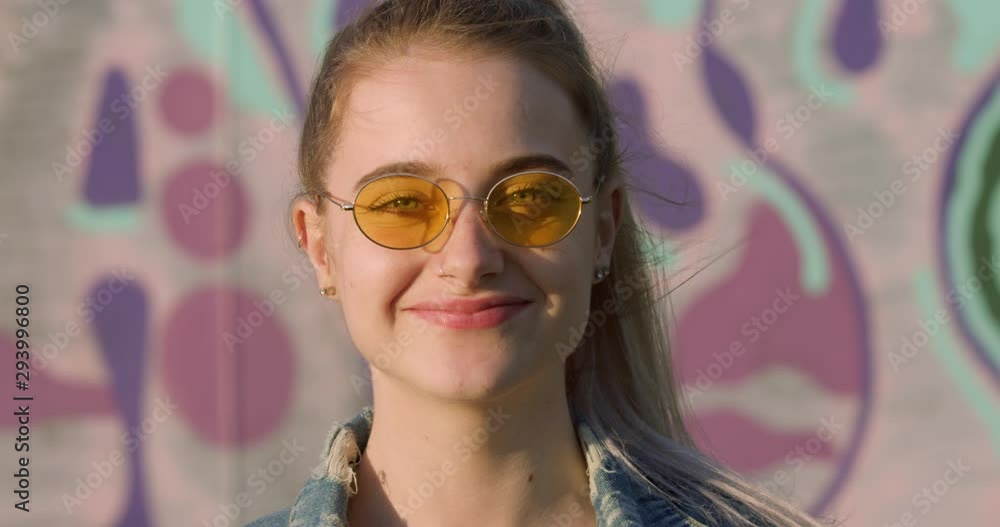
{"x":483,"y":210}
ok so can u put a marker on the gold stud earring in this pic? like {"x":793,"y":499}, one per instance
{"x":328,"y":291}
{"x":300,"y":241}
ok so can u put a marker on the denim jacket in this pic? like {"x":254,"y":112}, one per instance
{"x":617,"y":499}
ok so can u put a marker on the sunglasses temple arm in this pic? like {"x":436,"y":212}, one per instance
{"x":343,"y":206}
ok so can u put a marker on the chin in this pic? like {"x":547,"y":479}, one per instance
{"x":469,"y":373}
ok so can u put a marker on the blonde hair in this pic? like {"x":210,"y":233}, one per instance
{"x":619,"y":378}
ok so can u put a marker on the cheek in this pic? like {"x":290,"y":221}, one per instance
{"x":353,"y":253}
{"x":372,"y":280}
{"x":573,"y":256}
{"x":563,"y":279}
{"x":575,"y":267}
{"x":343,"y":233}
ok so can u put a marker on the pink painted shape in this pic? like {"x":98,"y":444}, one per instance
{"x":205,"y":210}
{"x":188,"y":101}
{"x":54,"y":400}
{"x":746,"y":446}
{"x":817,"y":335}
{"x":229,"y":397}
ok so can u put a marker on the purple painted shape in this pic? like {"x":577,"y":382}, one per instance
{"x":120,"y":328}
{"x":187,"y":101}
{"x":731,"y":95}
{"x":949,"y":182}
{"x":205,"y":209}
{"x":112,"y":176}
{"x":270,"y":29}
{"x":746,"y":446}
{"x":136,"y":508}
{"x":347,"y":11}
{"x":837,"y":251}
{"x":242,"y":385}
{"x":857,"y":41}
{"x":655,"y":171}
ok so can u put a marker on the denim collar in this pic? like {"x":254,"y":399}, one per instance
{"x":618,"y":500}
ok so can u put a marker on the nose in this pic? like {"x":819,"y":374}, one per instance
{"x":470,"y":253}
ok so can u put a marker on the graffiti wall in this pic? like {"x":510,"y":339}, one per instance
{"x":837,"y":329}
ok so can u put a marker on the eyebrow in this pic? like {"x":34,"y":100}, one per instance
{"x":513,"y":165}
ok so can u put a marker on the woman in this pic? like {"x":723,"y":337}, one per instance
{"x":463,"y":199}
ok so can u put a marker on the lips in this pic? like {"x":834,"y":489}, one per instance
{"x":468,"y":305}
{"x":470,"y":313}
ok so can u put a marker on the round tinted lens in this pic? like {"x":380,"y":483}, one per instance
{"x":534,"y":210}
{"x":401,"y":212}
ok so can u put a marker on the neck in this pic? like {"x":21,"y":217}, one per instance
{"x":512,"y":460}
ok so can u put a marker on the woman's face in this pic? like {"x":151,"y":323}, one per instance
{"x":464,"y":120}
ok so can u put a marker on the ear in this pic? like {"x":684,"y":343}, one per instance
{"x":608,"y":222}
{"x":310,"y":231}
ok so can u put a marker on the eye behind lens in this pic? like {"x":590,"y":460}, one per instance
{"x":401,"y":212}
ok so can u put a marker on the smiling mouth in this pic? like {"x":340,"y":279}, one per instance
{"x":483,"y":318}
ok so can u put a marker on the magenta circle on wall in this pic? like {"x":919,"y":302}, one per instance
{"x":205,"y":210}
{"x":188,"y":101}
{"x":228,"y":364}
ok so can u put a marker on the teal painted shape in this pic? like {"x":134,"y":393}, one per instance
{"x":673,"y":13}
{"x":815,"y":263}
{"x":993,"y":224}
{"x":978,"y":32}
{"x":321,"y":25}
{"x":661,"y":253}
{"x":807,"y":48}
{"x":103,"y":219}
{"x":968,"y":191}
{"x":943,"y":346}
{"x":218,"y":34}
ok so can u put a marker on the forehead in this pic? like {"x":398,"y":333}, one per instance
{"x":461,"y":115}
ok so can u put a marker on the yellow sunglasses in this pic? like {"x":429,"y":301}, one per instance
{"x":406,"y":211}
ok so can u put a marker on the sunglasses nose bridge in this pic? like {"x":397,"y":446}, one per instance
{"x":482,"y":206}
